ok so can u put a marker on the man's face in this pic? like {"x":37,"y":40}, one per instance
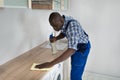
{"x":57,"y":25}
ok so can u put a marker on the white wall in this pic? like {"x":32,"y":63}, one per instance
{"x":20,"y":30}
{"x":101,"y":19}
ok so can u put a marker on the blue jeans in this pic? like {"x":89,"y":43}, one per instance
{"x":78,"y":61}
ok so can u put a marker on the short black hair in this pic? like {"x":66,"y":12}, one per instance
{"x":54,"y":15}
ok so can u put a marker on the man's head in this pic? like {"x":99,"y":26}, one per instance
{"x":56,"y":20}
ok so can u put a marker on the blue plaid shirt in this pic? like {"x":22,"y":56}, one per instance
{"x":74,"y":33}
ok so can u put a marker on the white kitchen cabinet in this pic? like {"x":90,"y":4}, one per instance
{"x":14,"y":3}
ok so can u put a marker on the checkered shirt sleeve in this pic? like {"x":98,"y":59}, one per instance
{"x":75,"y":34}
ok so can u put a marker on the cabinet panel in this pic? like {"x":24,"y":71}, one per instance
{"x":64,"y":4}
{"x":49,"y":4}
{"x":15,"y":3}
{"x":41,"y":4}
{"x":37,"y":6}
{"x":57,"y":4}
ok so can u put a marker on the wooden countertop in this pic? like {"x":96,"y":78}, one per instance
{"x":19,"y":67}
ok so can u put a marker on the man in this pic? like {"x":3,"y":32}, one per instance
{"x":78,"y":44}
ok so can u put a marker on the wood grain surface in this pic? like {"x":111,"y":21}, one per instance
{"x":19,"y":67}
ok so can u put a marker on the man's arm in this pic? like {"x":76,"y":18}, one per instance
{"x":60,"y":36}
{"x":69,"y":52}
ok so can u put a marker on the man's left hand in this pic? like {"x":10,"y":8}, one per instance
{"x":44,"y":65}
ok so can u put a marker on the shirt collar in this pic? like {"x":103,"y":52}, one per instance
{"x":66,"y":19}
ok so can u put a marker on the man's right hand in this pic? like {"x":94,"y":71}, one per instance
{"x":53,"y":39}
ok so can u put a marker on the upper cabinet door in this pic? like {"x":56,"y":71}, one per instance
{"x":41,"y":4}
{"x":60,"y":4}
{"x":49,"y":4}
{"x":64,"y":4}
{"x":15,"y":3}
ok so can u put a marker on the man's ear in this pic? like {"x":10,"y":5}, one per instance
{"x":62,"y":20}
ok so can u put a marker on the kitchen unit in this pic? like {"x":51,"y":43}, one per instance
{"x":19,"y":67}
